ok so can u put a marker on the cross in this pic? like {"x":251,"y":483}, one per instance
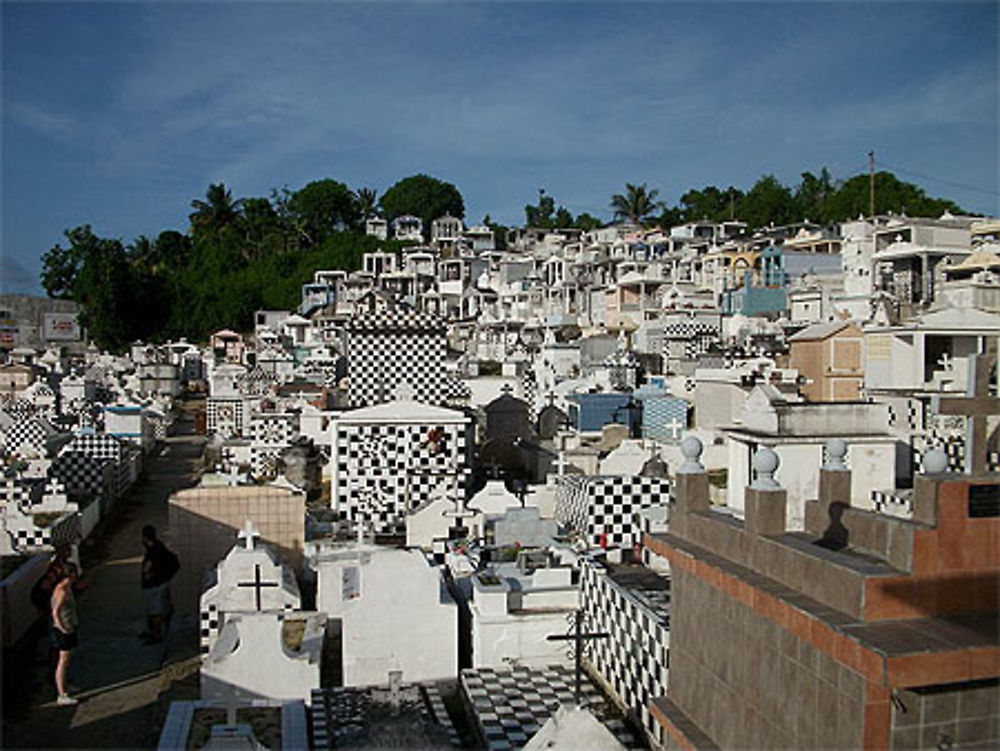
{"x":561,"y":462}
{"x":975,"y":405}
{"x":578,"y":637}
{"x":675,"y":426}
{"x":257,"y":584}
{"x":248,"y":534}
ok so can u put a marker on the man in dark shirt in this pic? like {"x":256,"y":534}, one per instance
{"x":158,"y":566}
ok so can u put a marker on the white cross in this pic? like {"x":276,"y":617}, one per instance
{"x":404,"y":392}
{"x":675,"y":426}
{"x":248,"y":534}
{"x":561,"y":462}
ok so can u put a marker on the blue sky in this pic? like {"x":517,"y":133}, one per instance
{"x":120,"y":114}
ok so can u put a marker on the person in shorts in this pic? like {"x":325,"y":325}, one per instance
{"x":158,"y":567}
{"x":64,"y":628}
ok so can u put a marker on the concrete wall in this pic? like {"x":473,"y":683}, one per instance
{"x":750,"y":684}
{"x":17,"y":612}
{"x":204,"y":522}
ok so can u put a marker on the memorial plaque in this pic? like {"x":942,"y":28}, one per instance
{"x":984,"y":501}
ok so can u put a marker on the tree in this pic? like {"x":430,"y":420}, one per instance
{"x":708,"y":203}
{"x":367,"y":203}
{"x":767,"y":202}
{"x":173,"y":249}
{"x":217,"y":212}
{"x":322,"y":207}
{"x":812,"y":195}
{"x":61,"y":266}
{"x":422,"y":196}
{"x":891,"y":194}
{"x":541,"y":215}
{"x":586,"y":222}
{"x":636,"y":204}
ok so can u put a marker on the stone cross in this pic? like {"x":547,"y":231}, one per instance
{"x":405,"y":392}
{"x":257,"y":584}
{"x":976,"y":405}
{"x":249,"y":535}
{"x":561,"y":463}
{"x":578,"y":637}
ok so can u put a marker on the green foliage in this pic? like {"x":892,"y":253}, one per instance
{"x":891,"y":194}
{"x":61,"y":266}
{"x":367,"y":203}
{"x":586,"y":222}
{"x":216,"y":213}
{"x":816,"y":198}
{"x":422,"y":196}
{"x":545,"y":215}
{"x":637,"y":204}
{"x":322,"y":207}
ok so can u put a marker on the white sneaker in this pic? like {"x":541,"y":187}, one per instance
{"x":65,"y":700}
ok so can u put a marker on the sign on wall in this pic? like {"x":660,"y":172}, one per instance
{"x":62,"y":327}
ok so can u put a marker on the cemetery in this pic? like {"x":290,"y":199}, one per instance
{"x":448,"y":503}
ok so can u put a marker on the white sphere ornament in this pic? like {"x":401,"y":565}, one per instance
{"x":935,"y":461}
{"x":836,"y":450}
{"x":691,"y":449}
{"x":765,"y":462}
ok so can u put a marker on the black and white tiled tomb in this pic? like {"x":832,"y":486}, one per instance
{"x":510,"y":706}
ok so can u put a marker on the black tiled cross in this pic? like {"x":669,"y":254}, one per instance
{"x":257,"y":584}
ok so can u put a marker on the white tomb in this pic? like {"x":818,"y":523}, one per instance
{"x":250,"y":579}
{"x":265,"y":656}
{"x":395,"y":613}
{"x":515,"y":608}
{"x":798,"y":432}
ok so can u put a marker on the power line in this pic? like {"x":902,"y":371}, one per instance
{"x":941,"y":180}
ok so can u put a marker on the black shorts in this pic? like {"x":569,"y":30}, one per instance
{"x":62,"y":641}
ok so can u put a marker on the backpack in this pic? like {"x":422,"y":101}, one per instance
{"x":171,"y":564}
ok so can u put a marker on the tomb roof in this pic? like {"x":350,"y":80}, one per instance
{"x":401,"y":411}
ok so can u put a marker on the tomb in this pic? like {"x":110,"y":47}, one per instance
{"x":394,"y":347}
{"x":511,"y":705}
{"x":603,"y":510}
{"x":394,"y":613}
{"x":389,"y":459}
{"x":798,"y":432}
{"x":264,"y":656}
{"x":515,"y":606}
{"x":861,"y":631}
{"x":249,"y":579}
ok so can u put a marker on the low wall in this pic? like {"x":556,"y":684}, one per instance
{"x":17,"y":612}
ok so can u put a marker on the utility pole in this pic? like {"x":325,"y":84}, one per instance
{"x":871,"y":184}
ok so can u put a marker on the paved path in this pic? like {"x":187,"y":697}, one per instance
{"x":125,"y":687}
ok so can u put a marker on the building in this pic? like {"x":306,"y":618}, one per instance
{"x":830,"y":357}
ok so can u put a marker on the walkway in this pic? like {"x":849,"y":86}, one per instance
{"x":125,"y":687}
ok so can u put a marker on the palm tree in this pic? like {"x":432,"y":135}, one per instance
{"x":367,"y":199}
{"x":142,"y":253}
{"x":637,"y":203}
{"x":217,"y":212}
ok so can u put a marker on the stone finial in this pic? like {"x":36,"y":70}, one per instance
{"x":836,"y":450}
{"x":691,"y":448}
{"x":765,"y":463}
{"x":935,"y":461}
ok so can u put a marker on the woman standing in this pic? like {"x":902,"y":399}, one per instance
{"x":64,"y":623}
